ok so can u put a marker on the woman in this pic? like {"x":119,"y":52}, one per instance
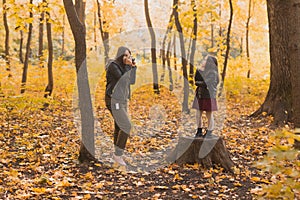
{"x":206,"y":80}
{"x":120,"y":74}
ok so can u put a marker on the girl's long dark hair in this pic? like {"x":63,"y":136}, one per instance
{"x":212,"y":64}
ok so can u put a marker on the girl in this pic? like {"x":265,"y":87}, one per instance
{"x":206,"y":80}
{"x":120,"y":74}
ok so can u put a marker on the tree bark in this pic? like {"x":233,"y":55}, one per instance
{"x":163,"y":50}
{"x":205,"y":151}
{"x":104,"y":34}
{"x":247,"y":38}
{"x":41,"y":35}
{"x":25,"y":68}
{"x":87,"y":147}
{"x":185,"y":107}
{"x":7,"y":55}
{"x":294,"y":55}
{"x":21,"y":47}
{"x":63,"y":37}
{"x":227,"y":48}
{"x":279,"y":97}
{"x":168,"y":57}
{"x":49,"y":88}
{"x":194,"y":40}
{"x":153,"y":48}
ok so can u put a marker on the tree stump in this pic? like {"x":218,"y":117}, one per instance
{"x":205,"y":151}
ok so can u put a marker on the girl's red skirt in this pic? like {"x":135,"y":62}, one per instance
{"x":205,"y":104}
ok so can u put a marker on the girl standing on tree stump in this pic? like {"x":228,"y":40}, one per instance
{"x":206,"y":80}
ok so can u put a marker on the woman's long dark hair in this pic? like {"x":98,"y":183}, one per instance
{"x":120,"y":54}
{"x":212,"y":64}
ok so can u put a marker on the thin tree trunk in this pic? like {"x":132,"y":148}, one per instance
{"x":7,"y":56}
{"x":279,"y":97}
{"x":49,"y":88}
{"x":41,"y":36}
{"x":63,"y":37}
{"x":174,"y":52}
{"x":104,"y":34}
{"x":95,"y":25}
{"x":212,"y":36}
{"x":227,"y":48}
{"x":163,"y":50}
{"x":21,"y":47}
{"x":247,"y":38}
{"x":194,"y":37}
{"x":25,"y":68}
{"x":220,"y":17}
{"x":168,"y":58}
{"x":87,"y":147}
{"x":183,"y":58}
{"x":153,"y":48}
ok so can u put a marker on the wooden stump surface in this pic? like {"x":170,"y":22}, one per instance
{"x":206,"y":151}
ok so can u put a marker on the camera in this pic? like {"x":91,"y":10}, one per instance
{"x":133,"y":60}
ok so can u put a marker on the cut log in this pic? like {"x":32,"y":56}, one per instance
{"x":205,"y":151}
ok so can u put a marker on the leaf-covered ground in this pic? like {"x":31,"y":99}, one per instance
{"x":39,"y":150}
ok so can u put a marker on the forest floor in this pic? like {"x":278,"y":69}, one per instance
{"x":40,"y":145}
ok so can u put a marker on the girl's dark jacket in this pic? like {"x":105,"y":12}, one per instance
{"x":207,"y":82}
{"x":119,"y":78}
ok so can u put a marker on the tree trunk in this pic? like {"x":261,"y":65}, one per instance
{"x":41,"y":35}
{"x":185,"y":107}
{"x":279,"y":97}
{"x":168,"y":57}
{"x":174,"y":51}
{"x":87,"y":147}
{"x":104,"y":34}
{"x":163,"y":50}
{"x":153,"y":48}
{"x":227,"y":48}
{"x":95,"y":25}
{"x":194,"y":40}
{"x":205,"y":151}
{"x":7,"y":56}
{"x":294,"y":55}
{"x":247,"y":38}
{"x":21,"y":47}
{"x":212,"y":35}
{"x":25,"y":68}
{"x":49,"y":88}
{"x":63,"y":37}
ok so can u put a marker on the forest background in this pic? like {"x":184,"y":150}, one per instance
{"x":40,"y":137}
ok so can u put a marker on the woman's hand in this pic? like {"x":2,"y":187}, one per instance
{"x":128,"y":60}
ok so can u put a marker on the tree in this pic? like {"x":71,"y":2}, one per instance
{"x":41,"y":32}
{"x":194,"y":40}
{"x":75,"y":14}
{"x":294,"y":55}
{"x":183,"y":57}
{"x":7,"y":56}
{"x":49,"y":88}
{"x":103,"y":32}
{"x":25,"y":68}
{"x":153,"y":48}
{"x":282,"y":100}
{"x":163,"y":48}
{"x":247,"y":37}
{"x":227,"y":47}
{"x":21,"y":47}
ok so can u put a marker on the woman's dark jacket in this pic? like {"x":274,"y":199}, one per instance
{"x":119,"y":78}
{"x":207,"y":82}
